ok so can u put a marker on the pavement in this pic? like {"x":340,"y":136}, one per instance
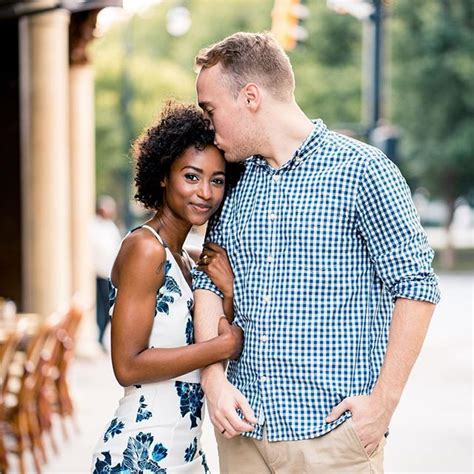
{"x":431,"y":431}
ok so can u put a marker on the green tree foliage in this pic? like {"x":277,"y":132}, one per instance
{"x":328,"y":66}
{"x":433,"y":92}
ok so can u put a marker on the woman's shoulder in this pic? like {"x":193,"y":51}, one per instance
{"x":141,"y":249}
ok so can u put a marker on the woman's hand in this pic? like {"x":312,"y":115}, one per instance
{"x":232,"y":336}
{"x":215,"y":263}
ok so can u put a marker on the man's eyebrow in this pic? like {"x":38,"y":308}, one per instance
{"x":204,"y":104}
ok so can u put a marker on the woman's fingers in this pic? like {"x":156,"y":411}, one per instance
{"x":214,"y":247}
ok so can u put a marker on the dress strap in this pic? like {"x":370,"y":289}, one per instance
{"x":155,"y":233}
{"x":190,"y":260}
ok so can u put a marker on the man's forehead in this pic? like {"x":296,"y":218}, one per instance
{"x":205,"y":86}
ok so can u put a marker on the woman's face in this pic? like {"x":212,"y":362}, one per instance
{"x":195,"y":186}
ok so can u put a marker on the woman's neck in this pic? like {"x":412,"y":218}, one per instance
{"x":171,"y":230}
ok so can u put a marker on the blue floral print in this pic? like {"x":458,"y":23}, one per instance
{"x":162,"y":303}
{"x":191,"y":451}
{"x":191,"y":400}
{"x":114,"y":428}
{"x":105,"y":466}
{"x":159,"y":452}
{"x":172,"y":286}
{"x":142,"y":413}
{"x":204,"y":462}
{"x":136,"y":455}
{"x":189,"y":331}
{"x":136,"y":459}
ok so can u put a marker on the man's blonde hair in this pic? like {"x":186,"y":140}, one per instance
{"x":251,"y":57}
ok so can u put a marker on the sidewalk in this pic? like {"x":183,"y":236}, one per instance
{"x":430,"y":432}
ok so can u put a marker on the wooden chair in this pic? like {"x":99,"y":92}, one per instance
{"x":55,"y":397}
{"x":22,"y":401}
{"x":7,"y":352}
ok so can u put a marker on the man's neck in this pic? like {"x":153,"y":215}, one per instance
{"x":288,"y":127}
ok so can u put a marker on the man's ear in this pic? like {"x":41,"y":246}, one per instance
{"x":252,"y":95}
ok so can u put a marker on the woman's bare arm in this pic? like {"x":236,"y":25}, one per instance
{"x":139,"y":273}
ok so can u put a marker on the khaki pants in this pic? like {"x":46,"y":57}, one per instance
{"x":337,"y":452}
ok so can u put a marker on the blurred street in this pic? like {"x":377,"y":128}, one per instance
{"x":430,"y":432}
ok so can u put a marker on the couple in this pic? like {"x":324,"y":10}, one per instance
{"x":326,"y":269}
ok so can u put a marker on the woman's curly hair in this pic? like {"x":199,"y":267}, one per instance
{"x":179,"y":127}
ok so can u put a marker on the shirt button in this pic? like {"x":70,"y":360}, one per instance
{"x":264,"y":338}
{"x":266,"y":299}
{"x":276,"y":178}
{"x":263,"y":379}
{"x":272,"y":216}
{"x":270,"y":259}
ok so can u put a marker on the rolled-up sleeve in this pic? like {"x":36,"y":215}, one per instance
{"x":397,"y":244}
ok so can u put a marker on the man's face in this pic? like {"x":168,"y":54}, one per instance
{"x":229,"y":117}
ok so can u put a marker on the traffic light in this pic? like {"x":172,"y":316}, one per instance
{"x":286,"y":17}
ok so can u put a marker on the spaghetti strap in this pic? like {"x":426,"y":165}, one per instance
{"x":191,"y":261}
{"x":155,"y":233}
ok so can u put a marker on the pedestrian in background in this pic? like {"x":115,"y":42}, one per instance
{"x":106,"y":240}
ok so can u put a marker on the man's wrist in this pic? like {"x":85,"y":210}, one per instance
{"x":212,"y":374}
{"x":389,"y":398}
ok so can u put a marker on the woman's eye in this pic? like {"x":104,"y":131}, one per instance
{"x":191,"y":177}
{"x":218,"y":181}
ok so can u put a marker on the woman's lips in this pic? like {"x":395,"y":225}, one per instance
{"x":202,"y":208}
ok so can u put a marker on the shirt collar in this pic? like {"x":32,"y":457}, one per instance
{"x":306,"y":149}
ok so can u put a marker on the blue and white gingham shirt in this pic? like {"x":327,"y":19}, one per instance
{"x":320,"y":248}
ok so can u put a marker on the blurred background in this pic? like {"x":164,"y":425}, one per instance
{"x":81,"y":79}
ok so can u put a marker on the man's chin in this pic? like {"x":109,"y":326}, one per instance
{"x":232,"y":158}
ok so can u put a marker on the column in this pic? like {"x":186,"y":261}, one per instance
{"x":45,"y":183}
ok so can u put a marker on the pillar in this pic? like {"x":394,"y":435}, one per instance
{"x":44,"y":108}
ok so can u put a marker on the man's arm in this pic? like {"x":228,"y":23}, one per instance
{"x":223,"y":399}
{"x":371,"y":414}
{"x":402,"y":257}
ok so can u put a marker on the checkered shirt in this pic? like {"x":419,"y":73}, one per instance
{"x":320,"y":248}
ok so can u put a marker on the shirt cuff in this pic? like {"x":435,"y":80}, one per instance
{"x":202,"y":282}
{"x":420,"y":288}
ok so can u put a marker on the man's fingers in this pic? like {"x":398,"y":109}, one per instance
{"x":246,"y":409}
{"x":338,"y":410}
{"x":229,"y":429}
{"x":237,"y":423}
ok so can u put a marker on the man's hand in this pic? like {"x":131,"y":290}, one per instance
{"x":223,"y":399}
{"x":370,"y":416}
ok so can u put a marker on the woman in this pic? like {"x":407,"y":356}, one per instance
{"x":180,"y":175}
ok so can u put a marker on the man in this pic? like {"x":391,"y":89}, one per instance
{"x":105,"y":245}
{"x":333,"y":281}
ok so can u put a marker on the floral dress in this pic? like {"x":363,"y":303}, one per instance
{"x":157,"y":426}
